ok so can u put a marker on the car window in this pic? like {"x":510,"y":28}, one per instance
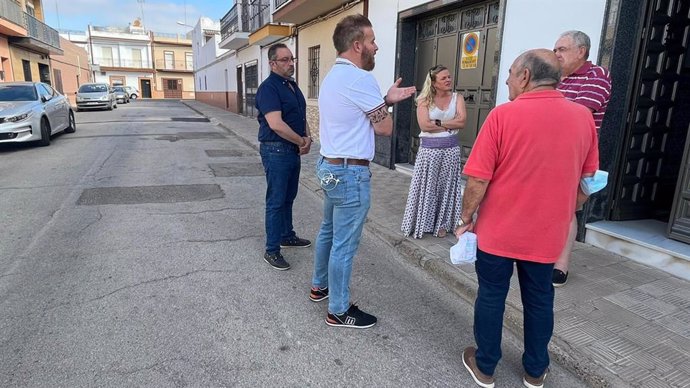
{"x":93,"y":88}
{"x":18,"y":93}
{"x":50,"y":90}
{"x":43,"y":90}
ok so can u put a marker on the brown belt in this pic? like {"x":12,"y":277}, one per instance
{"x":357,"y":162}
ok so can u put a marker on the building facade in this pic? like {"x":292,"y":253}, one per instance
{"x":173,"y":62}
{"x":122,"y":56}
{"x":70,"y":70}
{"x":26,"y":42}
{"x":240,"y":62}
{"x":212,"y":66}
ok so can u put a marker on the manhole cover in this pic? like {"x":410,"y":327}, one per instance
{"x":191,"y":136}
{"x":191,"y":119}
{"x":237,"y":169}
{"x":229,"y":153}
{"x":150,"y":194}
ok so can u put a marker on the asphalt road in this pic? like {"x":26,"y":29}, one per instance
{"x":131,"y":255}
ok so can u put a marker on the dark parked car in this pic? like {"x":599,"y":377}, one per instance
{"x":33,"y":111}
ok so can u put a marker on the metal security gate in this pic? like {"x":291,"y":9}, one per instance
{"x":251,"y":78}
{"x":463,"y":40}
{"x":658,"y":121}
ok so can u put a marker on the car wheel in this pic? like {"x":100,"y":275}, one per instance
{"x":133,"y":97}
{"x":115,"y":105}
{"x":45,"y":133}
{"x":72,"y":123}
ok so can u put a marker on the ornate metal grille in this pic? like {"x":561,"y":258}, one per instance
{"x":473,"y":18}
{"x":314,"y":53}
{"x":493,"y":14}
{"x":448,"y":24}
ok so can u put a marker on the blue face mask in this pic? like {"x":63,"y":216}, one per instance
{"x":592,"y":184}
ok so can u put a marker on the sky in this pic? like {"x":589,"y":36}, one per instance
{"x":158,"y":15}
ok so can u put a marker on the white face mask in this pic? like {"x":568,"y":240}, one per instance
{"x":592,"y":184}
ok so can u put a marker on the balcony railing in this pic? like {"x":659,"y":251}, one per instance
{"x":162,"y":64}
{"x":259,"y":14}
{"x":232,"y":22}
{"x":10,"y":10}
{"x":116,"y":62}
{"x":278,"y":3}
{"x":41,"y":31}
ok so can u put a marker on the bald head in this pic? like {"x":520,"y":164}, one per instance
{"x":543,"y":67}
{"x":533,"y":69}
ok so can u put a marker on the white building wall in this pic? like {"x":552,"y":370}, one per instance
{"x":531,"y":24}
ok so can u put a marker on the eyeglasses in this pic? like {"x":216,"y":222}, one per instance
{"x":286,"y":60}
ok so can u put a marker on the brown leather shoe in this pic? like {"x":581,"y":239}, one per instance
{"x":534,"y":382}
{"x":470,"y":362}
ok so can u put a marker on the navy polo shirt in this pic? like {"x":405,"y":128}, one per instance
{"x":274,"y":94}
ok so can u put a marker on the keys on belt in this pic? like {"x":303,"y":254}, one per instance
{"x":356,"y":162}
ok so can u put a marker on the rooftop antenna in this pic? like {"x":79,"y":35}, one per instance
{"x":141,"y":7}
{"x":57,"y":13}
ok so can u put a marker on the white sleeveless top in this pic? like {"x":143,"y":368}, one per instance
{"x":437,"y":114}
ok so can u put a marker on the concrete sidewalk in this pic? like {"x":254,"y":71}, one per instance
{"x":618,"y":323}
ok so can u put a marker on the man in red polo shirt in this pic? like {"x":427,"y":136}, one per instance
{"x":524,"y":170}
{"x":588,"y":85}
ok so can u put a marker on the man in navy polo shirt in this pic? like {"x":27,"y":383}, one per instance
{"x":284,"y":136}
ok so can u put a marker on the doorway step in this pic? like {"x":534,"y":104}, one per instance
{"x":643,"y":241}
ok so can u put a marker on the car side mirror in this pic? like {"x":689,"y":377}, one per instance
{"x":45,"y":98}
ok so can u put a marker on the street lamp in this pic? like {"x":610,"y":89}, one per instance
{"x":184,"y":24}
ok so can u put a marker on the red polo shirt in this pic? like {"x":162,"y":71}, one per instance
{"x":533,"y":151}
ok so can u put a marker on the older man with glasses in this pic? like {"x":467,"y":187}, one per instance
{"x":284,"y":137}
{"x":586,"y":84}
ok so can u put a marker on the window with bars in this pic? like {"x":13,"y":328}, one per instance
{"x":314,"y":71}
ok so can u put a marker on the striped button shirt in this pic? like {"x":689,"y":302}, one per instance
{"x":590,"y":85}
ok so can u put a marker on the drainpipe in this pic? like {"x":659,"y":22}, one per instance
{"x":91,"y":50}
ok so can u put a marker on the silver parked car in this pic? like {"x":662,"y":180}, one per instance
{"x":96,"y":96}
{"x":32,"y":111}
{"x":121,"y":94}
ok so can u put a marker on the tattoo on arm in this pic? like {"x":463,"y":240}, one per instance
{"x":378,"y":115}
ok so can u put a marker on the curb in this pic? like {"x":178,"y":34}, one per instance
{"x":561,"y":352}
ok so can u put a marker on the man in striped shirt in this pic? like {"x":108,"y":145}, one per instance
{"x":587,"y":84}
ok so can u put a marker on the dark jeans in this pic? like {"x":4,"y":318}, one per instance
{"x":282,"y":166}
{"x":494,"y":273}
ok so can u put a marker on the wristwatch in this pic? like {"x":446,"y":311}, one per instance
{"x":462,"y":223}
{"x":438,"y":123}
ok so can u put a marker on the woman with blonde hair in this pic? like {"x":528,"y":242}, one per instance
{"x":435,"y":197}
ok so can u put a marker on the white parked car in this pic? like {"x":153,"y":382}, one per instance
{"x":33,"y":111}
{"x":133,"y":92}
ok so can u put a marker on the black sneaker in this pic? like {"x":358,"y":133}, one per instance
{"x":276,"y":261}
{"x":559,"y":278}
{"x":353,"y":317}
{"x":318,"y":294}
{"x":295,"y":242}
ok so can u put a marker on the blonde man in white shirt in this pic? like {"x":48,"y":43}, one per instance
{"x":351,"y":111}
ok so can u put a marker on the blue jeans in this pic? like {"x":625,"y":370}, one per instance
{"x":345,"y":207}
{"x":494,"y":273}
{"x":282,"y":166}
